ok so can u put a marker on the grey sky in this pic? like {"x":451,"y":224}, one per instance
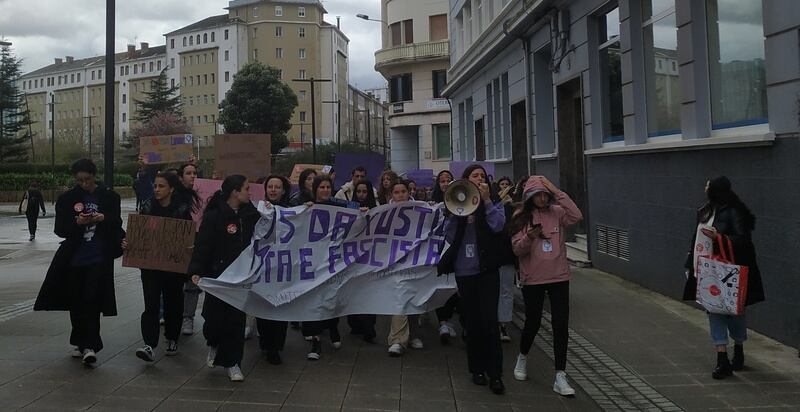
{"x":41,"y":30}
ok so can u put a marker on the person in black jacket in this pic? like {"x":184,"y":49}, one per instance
{"x":305,"y":183}
{"x":272,"y":333}
{"x":81,"y":276}
{"x":363,"y":324}
{"x":726,"y":215}
{"x":173,"y":200}
{"x":35,"y":202}
{"x":225,"y":231}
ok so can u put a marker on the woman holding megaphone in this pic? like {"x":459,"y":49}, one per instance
{"x":473,"y":256}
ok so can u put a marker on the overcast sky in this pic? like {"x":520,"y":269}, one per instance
{"x":41,"y":30}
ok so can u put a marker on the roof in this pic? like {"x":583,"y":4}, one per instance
{"x":97,"y":61}
{"x":240,"y":3}
{"x":207,"y":23}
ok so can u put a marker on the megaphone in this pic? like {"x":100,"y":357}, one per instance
{"x":462,"y":198}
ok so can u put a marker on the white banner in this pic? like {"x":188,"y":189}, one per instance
{"x":324,"y":262}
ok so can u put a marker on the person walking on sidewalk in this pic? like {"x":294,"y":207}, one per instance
{"x":540,"y":244}
{"x":191,"y":293}
{"x":364,"y":324}
{"x":35,"y":201}
{"x":225,"y":231}
{"x":726,"y":215}
{"x":171,"y":200}
{"x":445,"y":313}
{"x":81,"y":276}
{"x":474,"y":257}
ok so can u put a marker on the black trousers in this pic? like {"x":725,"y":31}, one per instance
{"x":84,"y":314}
{"x":271,"y":334}
{"x":558,"y":293}
{"x":362,"y":324}
{"x":316,"y":327}
{"x":479,"y":296}
{"x":32,"y":220}
{"x":445,"y":313}
{"x":158,"y":285}
{"x":224,"y":329}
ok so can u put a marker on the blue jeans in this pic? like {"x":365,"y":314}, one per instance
{"x":722,"y":325}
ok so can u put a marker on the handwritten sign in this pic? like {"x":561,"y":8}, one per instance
{"x":166,"y":149}
{"x":244,"y":154}
{"x":159,"y":243}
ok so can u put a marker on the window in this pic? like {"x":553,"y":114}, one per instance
{"x":184,"y":41}
{"x":301,"y":32}
{"x":227,"y":55}
{"x":438,"y":28}
{"x":121,"y":73}
{"x":302,"y":74}
{"x":736,"y":68}
{"x":213,"y":98}
{"x":226,"y":34}
{"x":205,"y":38}
{"x":127,"y":70}
{"x":191,"y":40}
{"x":172,"y":83}
{"x":227,"y":76}
{"x":205,"y":79}
{"x":205,"y":58}
{"x":279,"y":53}
{"x":439,"y":82}
{"x":280,"y":74}
{"x":255,"y":11}
{"x":198,"y":79}
{"x":143,"y":67}
{"x":124,"y":117}
{"x":100,"y":74}
{"x":255,"y":32}
{"x":172,"y":62}
{"x":278,"y":11}
{"x":301,"y":53}
{"x":302,"y":95}
{"x":400,"y":88}
{"x":205,"y":99}
{"x":302,"y":116}
{"x":151,"y":66}
{"x":198,"y":39}
{"x":441,"y":141}
{"x":660,"y":36}
{"x":396,"y":32}
{"x":301,"y":12}
{"x":158,"y":65}
{"x":191,"y":81}
{"x":171,"y":43}
{"x":278,"y":31}
{"x":72,"y":78}
{"x":92,"y":75}
{"x":124,"y":98}
{"x":212,"y":36}
{"x":79,"y":77}
{"x":408,"y":28}
{"x":191,"y":100}
{"x":255,"y":54}
{"x":212,"y":78}
{"x":611,"y":76}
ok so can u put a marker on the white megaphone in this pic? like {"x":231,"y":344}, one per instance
{"x":462,"y":198}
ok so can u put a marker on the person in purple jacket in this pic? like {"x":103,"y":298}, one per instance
{"x":474,"y":257}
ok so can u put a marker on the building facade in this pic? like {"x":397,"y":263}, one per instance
{"x":414,"y":59}
{"x":630,"y":107}
{"x":368,"y":119}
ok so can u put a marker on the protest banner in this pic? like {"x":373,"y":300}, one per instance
{"x":166,"y":149}
{"x":244,"y":154}
{"x":205,"y":188}
{"x":346,"y":162}
{"x":323,"y":262}
{"x":159,"y":243}
{"x":457,"y":167}
{"x":422,"y":177}
{"x":299,"y":167}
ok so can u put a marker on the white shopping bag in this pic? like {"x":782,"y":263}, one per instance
{"x":721,"y":284}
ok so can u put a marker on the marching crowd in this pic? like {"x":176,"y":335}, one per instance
{"x":517,"y":235}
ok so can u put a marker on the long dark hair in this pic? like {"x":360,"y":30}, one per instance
{"x":471,"y":168}
{"x":284,"y":200}
{"x":180,"y":194}
{"x":301,"y":182}
{"x":438,"y":194}
{"x":318,"y":181}
{"x":231,"y":183}
{"x":720,"y":193}
{"x":384,"y":195}
{"x":370,"y":201}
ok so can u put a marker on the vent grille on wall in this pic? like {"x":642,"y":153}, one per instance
{"x":613,"y":242}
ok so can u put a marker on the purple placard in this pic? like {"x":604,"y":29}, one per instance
{"x":346,"y":162}
{"x":457,"y":168}
{"x":179,"y":140}
{"x":422,"y":177}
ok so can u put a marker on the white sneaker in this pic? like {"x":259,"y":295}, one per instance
{"x":396,"y":350}
{"x":521,"y":368}
{"x":235,"y":373}
{"x":145,"y":353}
{"x":416,"y":343}
{"x":76,"y":353}
{"x":89,"y":357}
{"x":337,"y":345}
{"x":451,"y":330}
{"x":188,"y":326}
{"x":561,"y":386}
{"x":212,"y":355}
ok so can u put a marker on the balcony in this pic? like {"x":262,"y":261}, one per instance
{"x":412,"y":52}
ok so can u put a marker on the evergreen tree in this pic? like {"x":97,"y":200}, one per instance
{"x":259,"y":102}
{"x":160,"y":99}
{"x":14,"y":113}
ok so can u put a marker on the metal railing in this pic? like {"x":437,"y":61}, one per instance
{"x":415,"y":51}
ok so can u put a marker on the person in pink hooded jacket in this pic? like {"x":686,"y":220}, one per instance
{"x":538,"y":240}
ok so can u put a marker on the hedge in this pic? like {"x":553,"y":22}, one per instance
{"x":21,"y":181}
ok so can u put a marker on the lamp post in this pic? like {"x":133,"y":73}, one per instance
{"x":366,"y":17}
{"x":302,"y":146}
{"x":109,"y":100}
{"x":338,"y":104}
{"x":312,"y":81}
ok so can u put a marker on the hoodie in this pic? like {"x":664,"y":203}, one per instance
{"x":543,"y":261}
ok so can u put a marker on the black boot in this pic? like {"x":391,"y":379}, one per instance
{"x":723,"y":368}
{"x":737,"y":363}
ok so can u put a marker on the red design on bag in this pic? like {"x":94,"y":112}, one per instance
{"x":78,"y":207}
{"x":232,"y":228}
{"x":714,"y":290}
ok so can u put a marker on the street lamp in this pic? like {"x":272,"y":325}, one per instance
{"x":366,"y":17}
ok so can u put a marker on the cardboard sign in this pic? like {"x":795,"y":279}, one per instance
{"x":346,"y":162}
{"x":175,"y":148}
{"x":159,"y":243}
{"x":244,"y":154}
{"x":205,"y":188}
{"x":298,"y":168}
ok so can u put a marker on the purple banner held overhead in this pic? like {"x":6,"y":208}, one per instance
{"x":422,"y":177}
{"x":457,"y":168}
{"x":346,"y":162}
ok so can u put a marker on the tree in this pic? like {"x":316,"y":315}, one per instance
{"x":14,"y":113}
{"x":160,"y":99}
{"x":259,"y":102}
{"x":158,"y":124}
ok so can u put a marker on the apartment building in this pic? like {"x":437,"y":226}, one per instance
{"x":630,"y":107}
{"x":368,"y":120}
{"x":414,"y":59}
